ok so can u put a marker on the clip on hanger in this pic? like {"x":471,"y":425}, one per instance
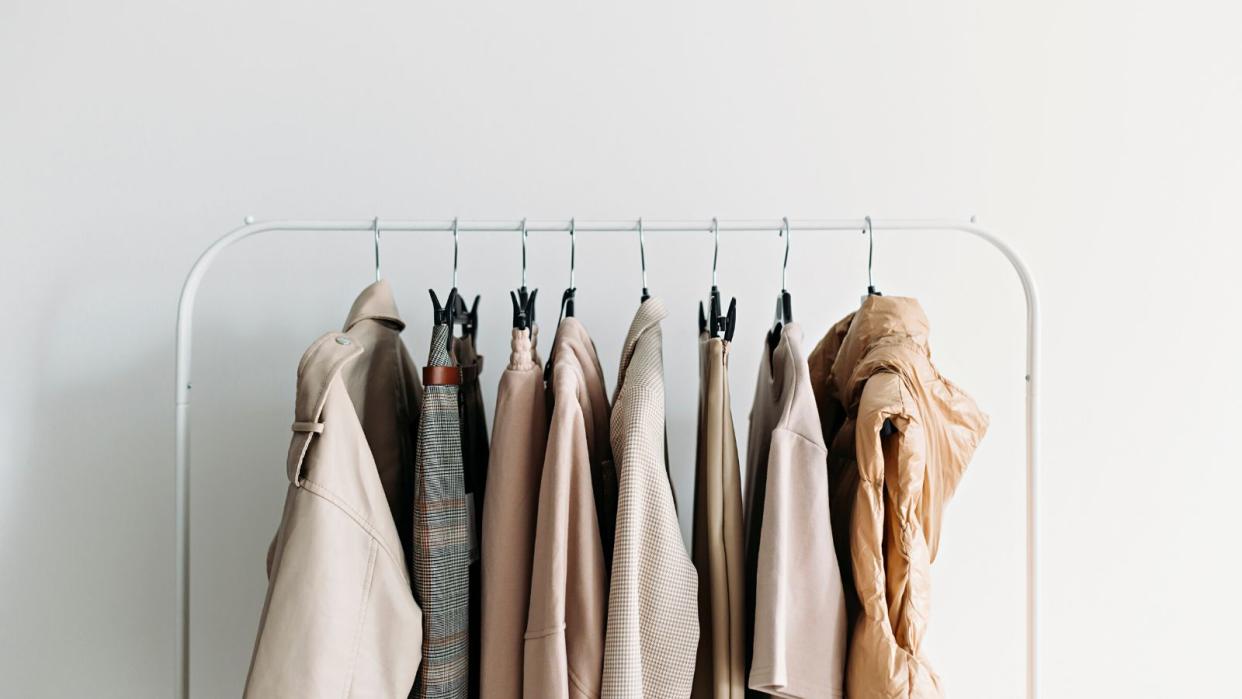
{"x":523,"y":299}
{"x":717,"y":322}
{"x":443,"y":315}
{"x":466,"y":317}
{"x":455,"y":312}
{"x":784,"y":302}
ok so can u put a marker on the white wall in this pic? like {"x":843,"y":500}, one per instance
{"x":1100,"y":138}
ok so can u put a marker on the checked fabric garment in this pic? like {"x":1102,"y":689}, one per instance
{"x":441,"y":534}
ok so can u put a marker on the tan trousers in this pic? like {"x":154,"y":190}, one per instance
{"x":718,"y":545}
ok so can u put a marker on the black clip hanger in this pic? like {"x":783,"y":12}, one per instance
{"x":523,"y":308}
{"x":455,"y":311}
{"x":443,"y":315}
{"x":467,"y":318}
{"x":717,"y":322}
{"x":523,"y":299}
{"x":784,"y":302}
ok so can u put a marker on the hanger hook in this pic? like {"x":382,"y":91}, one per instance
{"x":870,"y":250}
{"x":785,"y":265}
{"x":375,"y":228}
{"x":454,"y":252}
{"x":642,"y":253}
{"x":573,"y":250}
{"x":716,"y":247}
{"x":524,"y":234}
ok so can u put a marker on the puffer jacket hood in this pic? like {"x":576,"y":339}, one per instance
{"x":874,"y":367}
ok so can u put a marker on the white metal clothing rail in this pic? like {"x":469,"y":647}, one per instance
{"x":185,"y":318}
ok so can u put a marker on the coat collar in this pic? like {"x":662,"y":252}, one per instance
{"x":648,"y":317}
{"x":375,"y":303}
{"x":882,"y":321}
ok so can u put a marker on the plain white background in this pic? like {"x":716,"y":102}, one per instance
{"x":1100,"y":138}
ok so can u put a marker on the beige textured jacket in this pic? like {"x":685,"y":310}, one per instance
{"x":796,"y":598}
{"x":653,"y":625}
{"x":875,"y":366}
{"x":564,"y":652}
{"x":519,"y":439}
{"x":340,"y":618}
{"x":720,"y":671}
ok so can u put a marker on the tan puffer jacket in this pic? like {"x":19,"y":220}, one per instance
{"x":889,"y":490}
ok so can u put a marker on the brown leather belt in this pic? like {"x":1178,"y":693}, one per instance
{"x":441,"y":376}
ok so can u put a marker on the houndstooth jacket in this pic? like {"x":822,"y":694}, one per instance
{"x":653,"y":627}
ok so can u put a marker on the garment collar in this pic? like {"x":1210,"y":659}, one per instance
{"x":881,"y":321}
{"x":375,"y":303}
{"x":649,"y":315}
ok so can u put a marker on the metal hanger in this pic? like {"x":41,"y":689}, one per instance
{"x":375,"y":230}
{"x":443,"y":315}
{"x":784,"y":301}
{"x":567,"y":299}
{"x":523,"y":300}
{"x":871,"y":290}
{"x":455,"y":312}
{"x":717,"y":322}
{"x":642,"y":258}
{"x":887,"y":428}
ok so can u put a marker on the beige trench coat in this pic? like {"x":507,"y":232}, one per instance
{"x":653,"y":625}
{"x":340,"y":618}
{"x":564,"y":652}
{"x":875,"y":366}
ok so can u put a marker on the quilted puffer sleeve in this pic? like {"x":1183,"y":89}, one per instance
{"x":893,"y":580}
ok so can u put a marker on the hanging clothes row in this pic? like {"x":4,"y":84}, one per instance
{"x":392,"y":575}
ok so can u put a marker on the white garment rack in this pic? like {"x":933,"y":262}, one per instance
{"x":185,"y":318}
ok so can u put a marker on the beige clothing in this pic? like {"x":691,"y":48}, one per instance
{"x":564,"y":650}
{"x":718,"y":545}
{"x":519,"y":439}
{"x":879,"y":369}
{"x":340,"y":618}
{"x":653,"y":626}
{"x":797,"y":600}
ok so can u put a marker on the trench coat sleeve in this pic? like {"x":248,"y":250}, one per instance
{"x":339,"y":619}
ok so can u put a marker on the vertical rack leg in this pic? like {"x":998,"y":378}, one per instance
{"x":182,"y":639}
